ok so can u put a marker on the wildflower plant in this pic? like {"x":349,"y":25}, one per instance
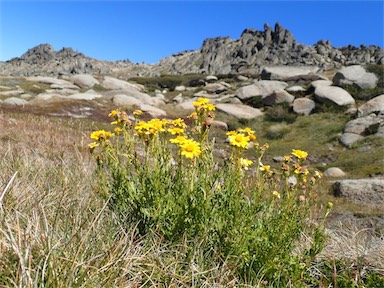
{"x":160,"y":176}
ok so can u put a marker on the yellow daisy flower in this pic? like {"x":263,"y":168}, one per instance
{"x":179,"y":123}
{"x":239,"y":140}
{"x":101,"y":135}
{"x":276,"y":194}
{"x":190,"y":148}
{"x":178,"y":140}
{"x":200,"y":101}
{"x":114,"y":113}
{"x":302,"y":155}
{"x":265,"y":168}
{"x":137,"y":113}
{"x":245,"y":163}
{"x":176,"y":131}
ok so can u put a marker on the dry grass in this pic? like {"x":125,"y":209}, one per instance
{"x":56,"y":232}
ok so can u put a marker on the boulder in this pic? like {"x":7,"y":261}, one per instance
{"x":83,"y":96}
{"x":355,"y":75}
{"x":48,"y":80}
{"x":47,"y":96}
{"x":15,"y":101}
{"x":112,"y":83}
{"x":11,"y":93}
{"x":64,"y":86}
{"x":180,"y":88}
{"x":334,"y":172}
{"x":178,"y":98}
{"x":285,"y":73}
{"x":125,"y":100}
{"x":216,"y":88}
{"x":295,"y":89}
{"x":239,"y":111}
{"x":368,"y":191}
{"x":375,"y":105}
{"x":366,"y":125}
{"x":333,"y":95}
{"x":85,"y":81}
{"x":151,"y":110}
{"x":348,"y":139}
{"x":62,"y":91}
{"x":303,"y":106}
{"x":278,"y":97}
{"x":260,"y":89}
{"x":242,"y":78}
{"x":186,"y":105}
{"x":317,"y":83}
{"x":210,"y":78}
{"x":220,"y":125}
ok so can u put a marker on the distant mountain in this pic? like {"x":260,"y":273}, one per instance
{"x":222,"y":55}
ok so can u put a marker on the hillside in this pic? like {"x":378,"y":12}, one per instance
{"x":220,"y":55}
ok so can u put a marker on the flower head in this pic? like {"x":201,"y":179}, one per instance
{"x":244,"y":163}
{"x":239,"y":140}
{"x":178,"y":140}
{"x":101,"y":135}
{"x":276,"y":194}
{"x":190,"y":148}
{"x":92,"y":146}
{"x":176,"y":130}
{"x":301,"y":155}
{"x":265,"y":168}
{"x":137,"y":113}
{"x":200,"y":101}
{"x":179,"y":123}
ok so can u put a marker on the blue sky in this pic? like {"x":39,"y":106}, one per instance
{"x":146,"y":31}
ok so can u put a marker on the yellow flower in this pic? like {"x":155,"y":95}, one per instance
{"x":249,"y":132}
{"x":190,"y":148}
{"x":92,"y":146}
{"x":179,"y":123}
{"x":265,"y":168}
{"x":245,"y":163}
{"x":318,"y":174}
{"x":101,"y":135}
{"x":193,"y":116}
{"x":209,"y":107}
{"x":276,"y":194}
{"x":178,"y":140}
{"x":114,"y":113}
{"x":287,"y":158}
{"x":239,"y":140}
{"x":176,"y":131}
{"x":302,"y":155}
{"x":158,"y":124}
{"x":117,"y":130}
{"x":200,"y":101}
{"x":231,"y":133}
{"x":137,"y":113}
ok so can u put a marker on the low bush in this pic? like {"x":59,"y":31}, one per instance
{"x":161,"y":176}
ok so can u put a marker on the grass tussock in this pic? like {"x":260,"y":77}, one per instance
{"x":56,"y":230}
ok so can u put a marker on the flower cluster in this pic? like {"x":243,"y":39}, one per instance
{"x":100,"y":137}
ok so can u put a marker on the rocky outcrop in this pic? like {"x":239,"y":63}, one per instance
{"x":355,"y":75}
{"x":375,"y":105}
{"x":333,"y":96}
{"x":358,"y":128}
{"x":361,"y":191}
{"x":221,"y":55}
{"x":239,"y":111}
{"x":303,"y":106}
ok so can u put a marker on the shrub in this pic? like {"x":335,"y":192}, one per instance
{"x":161,"y":176}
